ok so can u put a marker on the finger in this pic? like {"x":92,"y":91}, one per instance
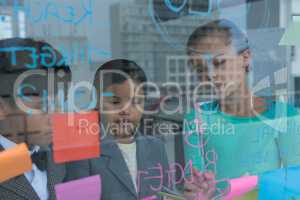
{"x":211,"y":192}
{"x":189,"y":195}
{"x":191,"y":187}
{"x":199,"y":180}
{"x":197,"y":176}
{"x":212,"y":182}
{"x":201,"y":196}
{"x":204,"y":185}
{"x":211,"y":189}
{"x":196,"y":173}
{"x":209,"y":176}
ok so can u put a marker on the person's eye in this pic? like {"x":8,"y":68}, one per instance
{"x":219,"y":62}
{"x":198,"y":64}
{"x":200,"y":67}
{"x":115,"y":102}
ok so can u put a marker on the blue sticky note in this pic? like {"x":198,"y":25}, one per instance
{"x":280,"y":184}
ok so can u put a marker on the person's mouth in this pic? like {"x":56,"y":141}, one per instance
{"x":123,"y":120}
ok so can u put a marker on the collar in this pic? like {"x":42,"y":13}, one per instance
{"x":6,"y":143}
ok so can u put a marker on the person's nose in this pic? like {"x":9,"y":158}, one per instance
{"x":214,"y":75}
{"x":207,"y":77}
{"x":125,"y":111}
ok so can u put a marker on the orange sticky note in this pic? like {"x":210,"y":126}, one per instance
{"x":76,"y":136}
{"x":14,"y":162}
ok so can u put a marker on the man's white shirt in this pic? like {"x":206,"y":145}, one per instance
{"x":36,"y":178}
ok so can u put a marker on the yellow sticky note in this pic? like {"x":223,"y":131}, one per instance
{"x":253,"y":195}
{"x":14,"y":162}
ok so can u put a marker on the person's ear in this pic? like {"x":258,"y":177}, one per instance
{"x":5,"y":108}
{"x":246,"y":56}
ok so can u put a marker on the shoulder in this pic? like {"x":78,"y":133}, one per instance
{"x":150,"y":140}
{"x":77,"y":169}
{"x":154,"y":149}
{"x":283,"y":109}
{"x":291,"y":109}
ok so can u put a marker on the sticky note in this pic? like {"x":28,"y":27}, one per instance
{"x":14,"y":162}
{"x":280,"y":184}
{"x":153,"y":197}
{"x":86,"y":188}
{"x":291,"y":36}
{"x":171,"y":196}
{"x":241,"y":186}
{"x":253,"y":195}
{"x":76,"y":136}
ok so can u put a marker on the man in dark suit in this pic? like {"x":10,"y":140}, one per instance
{"x":35,"y":185}
{"x":39,"y":183}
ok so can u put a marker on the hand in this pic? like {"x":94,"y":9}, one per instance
{"x":202,"y":188}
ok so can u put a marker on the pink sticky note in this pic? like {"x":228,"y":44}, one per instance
{"x":241,"y":186}
{"x":86,"y":188}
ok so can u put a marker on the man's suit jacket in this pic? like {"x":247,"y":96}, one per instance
{"x":19,"y":188}
{"x":117,"y":183}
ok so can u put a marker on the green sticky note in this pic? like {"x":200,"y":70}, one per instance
{"x":292,"y":35}
{"x":172,"y":196}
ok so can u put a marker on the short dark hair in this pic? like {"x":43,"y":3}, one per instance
{"x":58,"y":66}
{"x":128,"y":67}
{"x":36,"y":45}
{"x":217,"y":28}
{"x":6,"y":66}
